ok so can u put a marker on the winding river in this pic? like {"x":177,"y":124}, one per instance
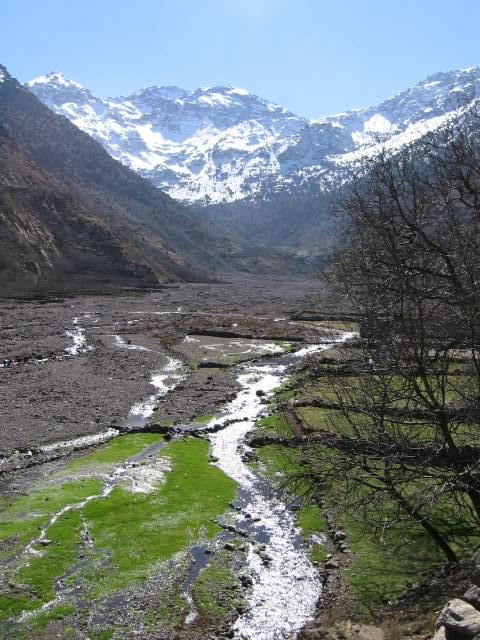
{"x":286,"y":585}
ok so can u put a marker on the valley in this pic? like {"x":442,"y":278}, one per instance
{"x":239,"y":365}
{"x":151,"y":444}
{"x":124,"y":470}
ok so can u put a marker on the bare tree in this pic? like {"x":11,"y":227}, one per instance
{"x":404,"y":427}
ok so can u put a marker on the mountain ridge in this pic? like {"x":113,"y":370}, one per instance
{"x":216,"y":145}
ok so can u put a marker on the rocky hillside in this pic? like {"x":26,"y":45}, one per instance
{"x":50,"y":241}
{"x":69,"y":209}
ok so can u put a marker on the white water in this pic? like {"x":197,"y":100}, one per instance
{"x":79,"y":340}
{"x":164,"y":381}
{"x":315,"y":348}
{"x":80,"y":443}
{"x":285,"y":591}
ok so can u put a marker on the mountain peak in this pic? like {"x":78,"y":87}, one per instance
{"x":4,"y":75}
{"x":223,"y":143}
{"x":55,"y":78}
{"x":452,"y":76}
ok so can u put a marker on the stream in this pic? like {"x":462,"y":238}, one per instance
{"x":286,"y":585}
{"x":79,"y":341}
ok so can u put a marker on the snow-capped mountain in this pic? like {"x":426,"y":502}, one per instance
{"x":222,"y":144}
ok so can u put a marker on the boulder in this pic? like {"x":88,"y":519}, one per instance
{"x":246,"y":580}
{"x":472,"y":596}
{"x":460,"y":618}
{"x":441,"y":634}
{"x":475,"y":574}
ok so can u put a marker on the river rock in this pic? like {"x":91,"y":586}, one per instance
{"x":246,"y":581}
{"x":265,"y":557}
{"x":472,"y":596}
{"x":331,"y":564}
{"x":45,"y":542}
{"x":475,"y":574}
{"x":460,"y":618}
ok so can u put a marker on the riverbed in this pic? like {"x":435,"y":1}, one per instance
{"x":235,"y":387}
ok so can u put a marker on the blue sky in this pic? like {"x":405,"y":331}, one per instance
{"x":313,"y":56}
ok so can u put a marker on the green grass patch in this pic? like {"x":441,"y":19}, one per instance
{"x":116,"y":451}
{"x":107,"y":634}
{"x":384,"y":566}
{"x":169,"y":612}
{"x":21,"y":519}
{"x":276,"y":423}
{"x":339,"y":325}
{"x":138,"y":530}
{"x":311,"y":521}
{"x":43,"y":618}
{"x":34,"y":581}
{"x":284,"y":392}
{"x":132,"y":532}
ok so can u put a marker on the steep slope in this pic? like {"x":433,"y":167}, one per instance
{"x":163,"y":237}
{"x":49,"y":241}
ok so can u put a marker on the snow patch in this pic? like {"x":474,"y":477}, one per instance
{"x":222,"y":144}
{"x":54,"y":78}
{"x":377,"y":124}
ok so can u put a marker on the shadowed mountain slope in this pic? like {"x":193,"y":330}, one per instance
{"x":69,"y":210}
